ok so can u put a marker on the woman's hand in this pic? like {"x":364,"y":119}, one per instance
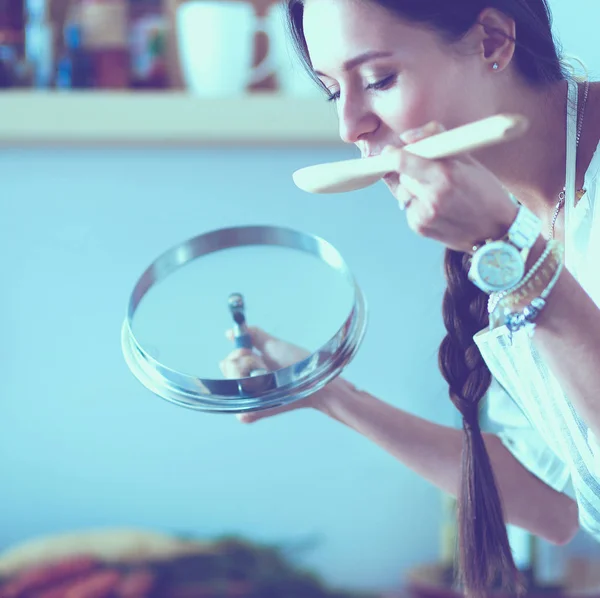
{"x":272,"y":354}
{"x":456,"y":201}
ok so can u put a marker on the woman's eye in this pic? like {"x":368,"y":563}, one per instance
{"x":383,"y":83}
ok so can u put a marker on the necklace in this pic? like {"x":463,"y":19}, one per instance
{"x":580,"y":193}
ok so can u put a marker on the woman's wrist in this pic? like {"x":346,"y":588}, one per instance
{"x":339,"y":390}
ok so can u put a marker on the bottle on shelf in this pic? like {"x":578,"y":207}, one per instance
{"x":105,"y":36}
{"x":13,"y":68}
{"x":148,"y":42}
{"x":12,"y":25}
{"x":75,"y":69}
{"x":39,"y":43}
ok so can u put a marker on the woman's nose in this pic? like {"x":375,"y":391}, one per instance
{"x":355,"y":120}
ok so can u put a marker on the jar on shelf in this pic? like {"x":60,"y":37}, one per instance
{"x":74,"y":68}
{"x":39,"y":42}
{"x":12,"y":22}
{"x":104,"y":26}
{"x":13,"y":70}
{"x":148,"y":37}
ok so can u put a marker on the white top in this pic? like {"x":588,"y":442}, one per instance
{"x":526,"y":405}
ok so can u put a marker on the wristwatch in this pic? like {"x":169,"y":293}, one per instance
{"x":500,"y":265}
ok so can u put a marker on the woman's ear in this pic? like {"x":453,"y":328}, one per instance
{"x":493,"y":36}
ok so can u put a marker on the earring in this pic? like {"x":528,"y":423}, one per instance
{"x":496,"y":66}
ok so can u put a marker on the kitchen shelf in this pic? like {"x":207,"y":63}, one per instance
{"x":162,"y":118}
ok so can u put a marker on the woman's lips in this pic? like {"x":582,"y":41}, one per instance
{"x":391,"y":179}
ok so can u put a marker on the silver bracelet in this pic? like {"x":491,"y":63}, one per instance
{"x":515,"y":321}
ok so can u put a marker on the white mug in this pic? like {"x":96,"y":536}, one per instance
{"x":292,"y":78}
{"x":216,"y":47}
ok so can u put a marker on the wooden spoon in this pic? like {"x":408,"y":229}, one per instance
{"x":349,"y":175}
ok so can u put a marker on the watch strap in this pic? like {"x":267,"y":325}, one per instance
{"x":525,"y":230}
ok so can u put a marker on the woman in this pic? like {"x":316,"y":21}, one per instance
{"x":523,"y":335}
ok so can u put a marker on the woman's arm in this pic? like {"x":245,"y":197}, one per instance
{"x":434,"y":452}
{"x":568,"y":337}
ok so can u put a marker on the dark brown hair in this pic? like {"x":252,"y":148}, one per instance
{"x":485,"y":557}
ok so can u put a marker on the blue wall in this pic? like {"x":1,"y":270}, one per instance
{"x":84,"y":444}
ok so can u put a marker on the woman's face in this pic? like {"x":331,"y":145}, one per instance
{"x":387,"y":75}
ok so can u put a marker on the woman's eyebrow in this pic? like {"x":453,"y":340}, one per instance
{"x":360,"y":59}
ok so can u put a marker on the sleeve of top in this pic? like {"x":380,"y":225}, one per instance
{"x":585,"y":244}
{"x":503,"y":417}
{"x":595,"y":450}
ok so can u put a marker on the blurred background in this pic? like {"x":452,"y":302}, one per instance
{"x":127,"y":126}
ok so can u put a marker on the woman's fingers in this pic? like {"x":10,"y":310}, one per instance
{"x":429,"y":130}
{"x":275,"y":352}
{"x":240,"y":363}
{"x":252,"y":416}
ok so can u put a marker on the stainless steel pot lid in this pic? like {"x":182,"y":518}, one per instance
{"x":293,"y":283}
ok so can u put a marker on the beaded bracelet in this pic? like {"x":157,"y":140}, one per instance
{"x":540,"y":272}
{"x":526,"y":318}
{"x":541,"y":277}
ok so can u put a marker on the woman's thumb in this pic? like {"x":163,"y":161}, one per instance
{"x":258,"y":335}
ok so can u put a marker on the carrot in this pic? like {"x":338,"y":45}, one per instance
{"x":96,"y":585}
{"x":41,"y":576}
{"x":136,"y":584}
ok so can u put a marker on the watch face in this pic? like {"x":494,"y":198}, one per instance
{"x":500,"y":266}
